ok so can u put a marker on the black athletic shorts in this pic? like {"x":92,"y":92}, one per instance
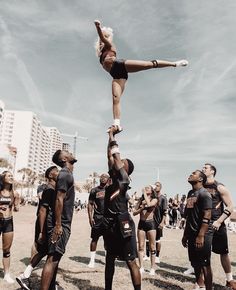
{"x":118,"y":70}
{"x":6,"y":225}
{"x":41,"y":248}
{"x":123,"y":248}
{"x":159,"y":233}
{"x":97,"y":229}
{"x":146,"y":226}
{"x":220,"y":241}
{"x":60,"y":245}
{"x":200,"y":257}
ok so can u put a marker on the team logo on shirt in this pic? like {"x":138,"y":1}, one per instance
{"x":100,"y":194}
{"x":114,"y":194}
{"x":191,"y":201}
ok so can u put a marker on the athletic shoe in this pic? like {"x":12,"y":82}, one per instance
{"x":8,"y":279}
{"x":182,"y":62}
{"x":189,"y":271}
{"x":91,"y":265}
{"x":152,"y":272}
{"x":231,"y":284}
{"x":145,"y":258}
{"x":157,"y":260}
{"x":141,"y":270}
{"x":23,"y":282}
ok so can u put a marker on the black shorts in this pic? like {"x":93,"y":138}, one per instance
{"x":159,"y":233}
{"x":118,"y":70}
{"x":146,"y":226}
{"x":123,"y":248}
{"x":97,"y":229}
{"x":41,"y":248}
{"x":6,"y":225}
{"x":220,"y":241}
{"x":60,"y":245}
{"x":200,"y":257}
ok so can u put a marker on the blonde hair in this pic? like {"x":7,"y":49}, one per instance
{"x":99,"y":44}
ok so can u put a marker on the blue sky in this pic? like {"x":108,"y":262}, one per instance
{"x":174,"y":119}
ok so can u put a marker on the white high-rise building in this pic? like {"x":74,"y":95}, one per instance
{"x":55,"y":138}
{"x":35,"y":143}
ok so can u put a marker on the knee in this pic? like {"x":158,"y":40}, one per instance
{"x":116,"y":99}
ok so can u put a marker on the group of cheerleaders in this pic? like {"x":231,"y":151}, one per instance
{"x":119,"y":70}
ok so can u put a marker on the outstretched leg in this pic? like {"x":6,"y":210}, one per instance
{"x":139,"y":65}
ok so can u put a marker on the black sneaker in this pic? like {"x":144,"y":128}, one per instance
{"x":23,"y":282}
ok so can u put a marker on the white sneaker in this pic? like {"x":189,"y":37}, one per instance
{"x":152,"y":272}
{"x":182,"y":62}
{"x":157,"y":260}
{"x":91,"y":265}
{"x":141,"y":270}
{"x":145,"y":258}
{"x":8,"y":279}
{"x":189,"y":271}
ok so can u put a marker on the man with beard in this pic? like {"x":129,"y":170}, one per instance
{"x":221,"y":210}
{"x":59,"y":222}
{"x":197,"y":233}
{"x":120,"y":236}
{"x":95,"y":214}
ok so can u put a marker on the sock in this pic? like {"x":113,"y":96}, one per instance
{"x":116,"y":122}
{"x":157,"y":253}
{"x":28,"y":271}
{"x":229,"y":276}
{"x":92,"y":256}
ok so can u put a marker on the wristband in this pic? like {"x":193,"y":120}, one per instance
{"x":115,"y":150}
{"x":206,"y":221}
{"x":227,"y":212}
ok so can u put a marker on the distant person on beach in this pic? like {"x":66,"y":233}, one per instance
{"x":197,"y":235}
{"x":120,"y":236}
{"x":95,"y":214}
{"x":40,"y":247}
{"x":120,"y":68}
{"x":145,"y":207}
{"x":59,"y":221}
{"x":222,"y":209}
{"x":9,"y":201}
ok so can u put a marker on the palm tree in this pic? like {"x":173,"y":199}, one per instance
{"x":4,"y":163}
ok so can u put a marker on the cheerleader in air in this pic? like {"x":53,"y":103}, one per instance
{"x":120,"y":68}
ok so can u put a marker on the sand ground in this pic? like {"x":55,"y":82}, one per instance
{"x":74,"y":273}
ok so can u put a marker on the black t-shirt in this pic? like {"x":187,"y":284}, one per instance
{"x":197,"y":202}
{"x":65,"y":183}
{"x":217,"y":202}
{"x":160,"y":209}
{"x":97,"y":195}
{"x":47,"y":200}
{"x":115,"y":200}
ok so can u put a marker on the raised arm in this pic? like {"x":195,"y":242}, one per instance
{"x":114,"y":148}
{"x":109,"y":155}
{"x":100,"y":34}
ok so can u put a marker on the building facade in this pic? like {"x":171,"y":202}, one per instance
{"x":35,"y":143}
